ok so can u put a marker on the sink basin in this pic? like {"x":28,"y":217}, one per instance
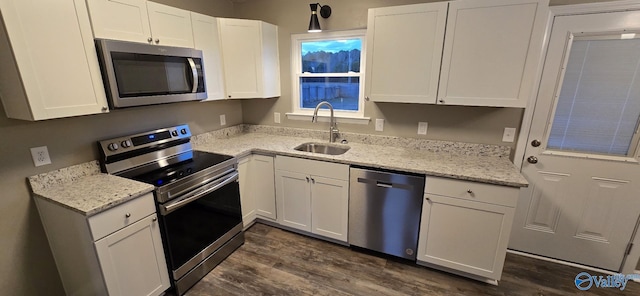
{"x":323,"y":148}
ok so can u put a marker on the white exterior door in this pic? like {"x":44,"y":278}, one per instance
{"x":581,"y":159}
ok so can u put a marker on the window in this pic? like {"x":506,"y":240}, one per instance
{"x":598,"y":108}
{"x":328,"y":67}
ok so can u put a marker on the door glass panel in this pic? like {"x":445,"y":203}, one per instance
{"x":599,"y":103}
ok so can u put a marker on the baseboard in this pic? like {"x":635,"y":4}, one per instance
{"x":576,"y":265}
{"x":305,"y":233}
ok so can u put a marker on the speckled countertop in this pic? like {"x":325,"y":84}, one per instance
{"x":84,"y":189}
{"x":473,"y":162}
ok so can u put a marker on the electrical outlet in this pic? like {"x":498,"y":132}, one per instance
{"x":40,"y":156}
{"x":276,"y":117}
{"x":223,"y":119}
{"x":379,"y":125}
{"x":422,"y":128}
{"x":509,"y":134}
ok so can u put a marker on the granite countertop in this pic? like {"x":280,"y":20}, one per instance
{"x":84,"y":189}
{"x":459,"y":162}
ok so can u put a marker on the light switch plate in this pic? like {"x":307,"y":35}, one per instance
{"x":40,"y":156}
{"x":379,"y":125}
{"x":422,"y":128}
{"x":223,"y":119}
{"x":509,"y":134}
{"x":276,"y":117}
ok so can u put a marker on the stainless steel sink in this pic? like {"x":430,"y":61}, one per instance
{"x":322,"y":148}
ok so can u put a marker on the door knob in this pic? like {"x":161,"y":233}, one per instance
{"x":535,"y":143}
{"x":532,"y":159}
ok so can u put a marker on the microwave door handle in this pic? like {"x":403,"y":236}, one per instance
{"x":194,"y":72}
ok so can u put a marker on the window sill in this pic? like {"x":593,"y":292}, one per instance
{"x":326,"y":118}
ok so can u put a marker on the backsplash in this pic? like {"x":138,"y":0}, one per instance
{"x":457,"y":148}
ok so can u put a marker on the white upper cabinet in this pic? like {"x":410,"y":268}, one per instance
{"x":491,"y":53}
{"x":206,"y":38}
{"x":404,"y":67}
{"x":125,"y":20}
{"x":141,"y":21}
{"x":48,"y":62}
{"x":169,"y":25}
{"x":250,"y":58}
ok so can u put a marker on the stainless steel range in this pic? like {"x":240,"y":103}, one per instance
{"x":197,"y":196}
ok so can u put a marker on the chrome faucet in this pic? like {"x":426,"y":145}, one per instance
{"x":333,"y":127}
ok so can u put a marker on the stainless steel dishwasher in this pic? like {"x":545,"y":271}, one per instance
{"x":384,"y":211}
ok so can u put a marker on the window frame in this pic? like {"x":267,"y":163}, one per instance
{"x":296,"y":73}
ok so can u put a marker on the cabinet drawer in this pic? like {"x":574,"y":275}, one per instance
{"x":313,"y":167}
{"x":122,"y":215}
{"x":494,"y":194}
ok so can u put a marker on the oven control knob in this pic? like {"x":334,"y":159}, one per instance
{"x":174,"y":133}
{"x":113,"y":147}
{"x":125,"y":144}
{"x":183,"y":131}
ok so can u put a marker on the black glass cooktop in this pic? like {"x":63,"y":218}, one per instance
{"x":193,"y":163}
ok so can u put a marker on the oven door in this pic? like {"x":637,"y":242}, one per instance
{"x":198,"y":223}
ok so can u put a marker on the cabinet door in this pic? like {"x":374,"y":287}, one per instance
{"x":464,"y":235}
{"x":132,"y":259}
{"x":491,"y":52}
{"x":247,"y":199}
{"x":170,"y":26}
{"x":294,"y":199}
{"x":263,"y":182}
{"x":330,"y":207}
{"x":125,"y":20}
{"x":206,"y":38}
{"x":404,"y":49}
{"x":241,"y":55}
{"x":43,"y":40}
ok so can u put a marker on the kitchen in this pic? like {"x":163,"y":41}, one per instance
{"x":28,"y":267}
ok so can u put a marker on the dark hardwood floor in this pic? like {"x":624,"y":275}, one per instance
{"x":277,"y":262}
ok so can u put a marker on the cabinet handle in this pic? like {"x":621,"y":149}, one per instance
{"x":428,"y":199}
{"x":313,"y":180}
{"x":154,"y":219}
{"x":127,"y":215}
{"x":149,"y":39}
{"x":307,"y":179}
{"x":366,"y":98}
{"x":104,"y":109}
{"x":469,"y":191}
{"x":157,"y":41}
{"x":441,"y":101}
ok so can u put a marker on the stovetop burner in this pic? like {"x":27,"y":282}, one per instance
{"x":200,"y":161}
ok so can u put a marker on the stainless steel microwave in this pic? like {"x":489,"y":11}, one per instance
{"x":137,"y":74}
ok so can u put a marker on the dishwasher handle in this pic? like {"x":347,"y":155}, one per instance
{"x":383,"y":184}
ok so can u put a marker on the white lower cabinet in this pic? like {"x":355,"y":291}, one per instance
{"x":257,"y":188}
{"x":132,"y":259}
{"x":116,"y":252}
{"x":465,"y":227}
{"x":313,"y":196}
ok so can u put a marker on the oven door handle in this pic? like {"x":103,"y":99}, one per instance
{"x":172,"y":206}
